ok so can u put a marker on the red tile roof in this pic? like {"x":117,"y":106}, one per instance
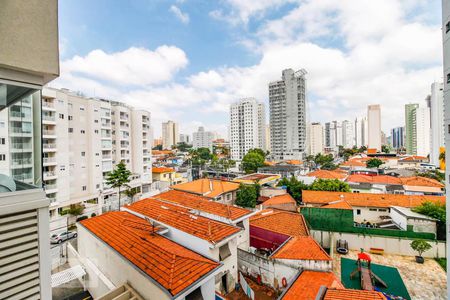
{"x":338,"y":205}
{"x":204,"y":204}
{"x":174,"y":267}
{"x":159,"y":170}
{"x":307,"y":285}
{"x":368,"y":200}
{"x":280,"y":199}
{"x":346,"y":294}
{"x":301,"y":248}
{"x":384,"y":179}
{"x":288,"y":223}
{"x":326,"y":174}
{"x":210,"y":188}
{"x":181,"y":218}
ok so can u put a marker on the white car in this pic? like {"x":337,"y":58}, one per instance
{"x":63,"y":236}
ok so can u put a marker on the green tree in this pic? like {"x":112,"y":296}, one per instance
{"x":374,"y":163}
{"x":157,"y":147}
{"x":258,"y":151}
{"x":246,"y":195}
{"x":119,"y":177}
{"x":329,"y":166}
{"x":252,"y":161}
{"x":294,"y":187}
{"x":331,"y":185}
{"x":420,"y":246}
{"x":131,"y":192}
{"x":321,"y":159}
{"x":183,"y":147}
{"x":204,"y":153}
{"x":435,"y":174}
{"x":74,"y":210}
{"x":385,"y":149}
{"x":434,"y":210}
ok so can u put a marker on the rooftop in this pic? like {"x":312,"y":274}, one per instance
{"x":301,"y":248}
{"x":307,"y":285}
{"x":345,"y":294}
{"x":160,"y":170}
{"x":210,"y":188}
{"x":384,"y":179}
{"x":368,"y":200}
{"x":174,"y":267}
{"x":288,"y":223}
{"x":181,"y":218}
{"x":326,"y":174}
{"x":341,"y":204}
{"x":260,"y":178}
{"x":411,"y":214}
{"x":204,"y":204}
{"x":280,"y":199}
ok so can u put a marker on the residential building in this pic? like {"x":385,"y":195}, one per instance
{"x":26,"y":65}
{"x":185,"y":138}
{"x":410,"y":128}
{"x":339,"y":133}
{"x":157,"y":142}
{"x":268,"y":145}
{"x":247,"y":127}
{"x":348,"y":134}
{"x":83,"y":139}
{"x":374,"y":127}
{"x":437,"y":135}
{"x":422,"y":127}
{"x":217,"y":190}
{"x":289,"y":115}
{"x":361,"y":132}
{"x":397,"y":135}
{"x":170,"y":135}
{"x":315,"y":138}
{"x":202,"y":139}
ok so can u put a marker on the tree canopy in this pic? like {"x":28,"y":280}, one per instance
{"x":385,"y":149}
{"x":374,"y":163}
{"x":119,"y":177}
{"x":432,"y":209}
{"x":420,"y":246}
{"x":253,"y":160}
{"x":183,"y":147}
{"x":246,"y":195}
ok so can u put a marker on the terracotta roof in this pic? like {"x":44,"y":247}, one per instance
{"x":292,"y":224}
{"x":174,"y":267}
{"x":280,"y":199}
{"x":308,"y":284}
{"x":293,"y":162}
{"x":162,"y":152}
{"x":203,"y":187}
{"x":301,"y":248}
{"x":201,"y":203}
{"x":368,"y":200}
{"x":371,"y":151}
{"x":181,"y":218}
{"x":326,"y":174}
{"x":346,"y":294}
{"x":159,"y":170}
{"x":413,"y":158}
{"x":338,"y":205}
{"x":421,"y":181}
{"x":384,"y":179}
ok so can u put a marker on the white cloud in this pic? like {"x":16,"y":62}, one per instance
{"x":183,"y":17}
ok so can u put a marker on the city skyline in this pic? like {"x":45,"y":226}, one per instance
{"x":195,"y":80}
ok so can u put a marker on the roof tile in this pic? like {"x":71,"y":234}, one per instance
{"x":280,"y":199}
{"x":288,"y":223}
{"x":345,"y":294}
{"x":210,"y":188}
{"x":308,"y":284}
{"x":301,"y":248}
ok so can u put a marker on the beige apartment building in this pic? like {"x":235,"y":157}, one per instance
{"x":170,"y":134}
{"x":83,"y":139}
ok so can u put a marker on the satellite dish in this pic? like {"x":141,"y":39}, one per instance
{"x":7,"y":184}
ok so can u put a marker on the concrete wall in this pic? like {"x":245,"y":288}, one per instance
{"x":391,"y":245}
{"x":369,"y":214}
{"x":29,"y":39}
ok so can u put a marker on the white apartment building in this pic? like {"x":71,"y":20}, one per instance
{"x":348,"y":134}
{"x":267,"y":137}
{"x":339,"y":133}
{"x":289,"y":115}
{"x":170,"y":134}
{"x":202,"y":139}
{"x":316,"y":138}
{"x":247,"y":127}
{"x":437,"y":122}
{"x":185,"y":138}
{"x":422,"y":130}
{"x":361,"y":132}
{"x":374,"y":127}
{"x":83,"y":139}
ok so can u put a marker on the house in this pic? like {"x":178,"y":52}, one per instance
{"x":163,"y":174}
{"x":280,"y":202}
{"x":284,"y":170}
{"x":327,"y":174}
{"x":119,"y":247}
{"x":258,"y":178}
{"x":218,"y":190}
{"x":405,"y":217}
{"x":211,"y":238}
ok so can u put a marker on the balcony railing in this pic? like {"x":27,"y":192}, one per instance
{"x":49,"y":146}
{"x":48,"y":160}
{"x":21,"y":146}
{"x":48,"y":104}
{"x":48,"y":132}
{"x":20,"y":130}
{"x":49,"y":174}
{"x":49,"y":187}
{"x":21,"y":162}
{"x":49,"y":118}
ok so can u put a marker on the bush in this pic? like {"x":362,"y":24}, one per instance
{"x":82,"y":218}
{"x":420,"y":246}
{"x":246,"y":195}
{"x":93,"y":215}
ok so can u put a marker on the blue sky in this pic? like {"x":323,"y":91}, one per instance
{"x":188,"y":60}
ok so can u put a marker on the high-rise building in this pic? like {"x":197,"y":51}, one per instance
{"x":185,"y":138}
{"x":397,"y":135}
{"x":361,"y":132}
{"x":247,"y":127}
{"x":28,"y":60}
{"x":374,"y":126}
{"x":437,"y":122}
{"x":348,"y":134}
{"x":267,"y":138}
{"x":289,"y":115}
{"x":410,"y":129}
{"x":315,"y":138}
{"x":170,"y":135}
{"x":339,"y":133}
{"x":83,"y":139}
{"x":330,"y":136}
{"x":422,"y":131}
{"x":202,"y":139}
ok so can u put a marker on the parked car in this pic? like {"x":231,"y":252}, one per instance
{"x":63,"y":236}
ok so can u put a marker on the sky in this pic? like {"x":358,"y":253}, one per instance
{"x":188,"y":60}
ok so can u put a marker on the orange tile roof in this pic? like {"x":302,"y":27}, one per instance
{"x":413,"y":158}
{"x":371,"y":151}
{"x":368,"y":200}
{"x":201,"y":203}
{"x":173,"y":266}
{"x":159,"y":170}
{"x":203,"y":187}
{"x":162,"y":152}
{"x":181,"y":218}
{"x":269,"y":163}
{"x":338,"y":205}
{"x":301,"y":248}
{"x":283,"y":222}
{"x":346,"y":294}
{"x":280,"y":199}
{"x":326,"y":174}
{"x":307,"y":285}
{"x":384,"y":179}
{"x":421,"y":181}
{"x":293,"y":162}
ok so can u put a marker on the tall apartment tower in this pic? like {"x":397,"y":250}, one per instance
{"x":361,"y":132}
{"x":330,"y":136}
{"x":422,"y":130}
{"x":289,"y":115}
{"x":397,"y":135}
{"x":437,"y":122}
{"x":374,"y":127}
{"x":446,"y":48}
{"x":348,"y":134}
{"x":247,"y":127}
{"x":170,"y":134}
{"x":410,"y":128}
{"x":267,"y":138}
{"x":202,"y":139}
{"x":316,"y":138}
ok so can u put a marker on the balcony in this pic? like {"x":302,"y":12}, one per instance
{"x":19,"y":115}
{"x":28,"y":147}
{"x":48,"y":105}
{"x":21,"y":163}
{"x":49,"y":161}
{"x":49,"y":147}
{"x":49,"y":175}
{"x":48,"y":132}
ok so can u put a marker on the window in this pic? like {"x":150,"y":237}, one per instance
{"x":97,"y":186}
{"x":70,"y":130}
{"x":224,"y":252}
{"x":83,"y":153}
{"x":84,"y":188}
{"x":372,"y":209}
{"x":82,"y":131}
{"x":61,"y":116}
{"x":358,"y":211}
{"x":62,"y":168}
{"x":2,"y":124}
{"x":448,"y":78}
{"x":2,"y":141}
{"x":240,"y":224}
{"x":97,"y":154}
{"x":95,"y":121}
{"x":70,"y":118}
{"x":2,"y":157}
{"x":82,"y":108}
{"x":447,"y":27}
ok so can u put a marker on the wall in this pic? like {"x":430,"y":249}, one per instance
{"x":261,"y":238}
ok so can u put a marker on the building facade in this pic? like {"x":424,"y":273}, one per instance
{"x":247,"y":127}
{"x":417,"y":129}
{"x":361,"y":132}
{"x":202,"y":139}
{"x":348,"y":134}
{"x":397,"y":136}
{"x":410,"y":131}
{"x":170,"y":134}
{"x":374,"y":126}
{"x":289,"y":115}
{"x":437,"y":122}
{"x":316,"y":138}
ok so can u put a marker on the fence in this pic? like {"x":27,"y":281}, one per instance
{"x":245,"y":287}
